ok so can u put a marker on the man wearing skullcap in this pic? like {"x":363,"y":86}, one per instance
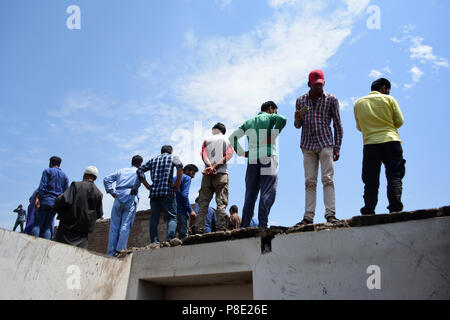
{"x":78,"y":209}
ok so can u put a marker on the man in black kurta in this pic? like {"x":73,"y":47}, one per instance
{"x":78,"y":209}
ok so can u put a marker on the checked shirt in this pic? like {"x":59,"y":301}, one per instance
{"x":161,"y":172}
{"x":316,"y":132}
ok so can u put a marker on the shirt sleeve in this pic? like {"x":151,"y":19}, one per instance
{"x":358,"y":126}
{"x":298,"y":124}
{"x":234,"y":140}
{"x":108,"y":182}
{"x":185,"y":195}
{"x":177,"y":163}
{"x":204,"y":153}
{"x":337,"y":124}
{"x":43,"y":184}
{"x":397,"y":114}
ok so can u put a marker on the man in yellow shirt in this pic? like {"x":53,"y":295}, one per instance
{"x":378,"y":116}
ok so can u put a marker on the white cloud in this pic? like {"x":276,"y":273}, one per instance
{"x":234,"y":75}
{"x":424,"y":54}
{"x":223,"y":3}
{"x":375,"y":74}
{"x":416,"y":74}
{"x":190,"y":40}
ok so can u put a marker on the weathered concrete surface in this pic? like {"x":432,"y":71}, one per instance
{"x":34,"y":268}
{"x":413,"y":257}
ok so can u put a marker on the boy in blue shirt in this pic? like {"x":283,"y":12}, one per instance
{"x":184,"y":208}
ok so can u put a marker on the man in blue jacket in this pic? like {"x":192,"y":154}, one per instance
{"x":53,"y":183}
{"x":184,"y":208}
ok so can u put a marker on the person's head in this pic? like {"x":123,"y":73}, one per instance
{"x":233,"y":209}
{"x":137,"y":161}
{"x":316,"y":82}
{"x":381,"y":85}
{"x":91,"y":173}
{"x":221,"y":127}
{"x":190,"y":170}
{"x":20,"y":206}
{"x":55,"y":162}
{"x":269,"y":107}
{"x":166,"y":149}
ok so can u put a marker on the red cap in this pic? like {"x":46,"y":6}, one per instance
{"x":316,"y":76}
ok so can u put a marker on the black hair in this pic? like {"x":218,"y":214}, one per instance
{"x":380,"y":83}
{"x":234,"y":208}
{"x":221,"y":127}
{"x":166,"y":149}
{"x":137,"y":161}
{"x":266,"y":105}
{"x":190,"y":167}
{"x":55,"y":161}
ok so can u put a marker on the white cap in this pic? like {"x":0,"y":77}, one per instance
{"x":91,"y":170}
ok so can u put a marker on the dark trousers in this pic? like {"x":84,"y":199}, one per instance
{"x":18,"y":223}
{"x":391,"y":155}
{"x":262,"y":176}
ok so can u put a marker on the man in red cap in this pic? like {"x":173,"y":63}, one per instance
{"x":314,"y":112}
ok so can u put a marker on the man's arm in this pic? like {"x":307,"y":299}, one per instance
{"x":338,"y":130}
{"x":358,"y":126}
{"x":397,"y":114}
{"x":141,"y":176}
{"x":235,"y":136}
{"x":184,"y":190}
{"x":108,"y":183}
{"x":179,"y":165}
{"x":298,"y":123}
{"x":100,"y":206}
{"x":42,"y":189}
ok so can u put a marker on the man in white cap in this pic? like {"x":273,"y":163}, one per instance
{"x":78,"y":209}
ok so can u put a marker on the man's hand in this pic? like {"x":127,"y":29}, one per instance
{"x":210,"y":170}
{"x":133,"y":192}
{"x":336,"y":155}
{"x":246,"y":154}
{"x":192,"y":215}
{"x":176,"y":187}
{"x":299,"y":114}
{"x":37,"y":203}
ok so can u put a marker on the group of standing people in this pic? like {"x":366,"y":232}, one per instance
{"x":378,"y":117}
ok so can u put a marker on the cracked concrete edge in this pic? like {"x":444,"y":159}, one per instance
{"x":357,"y":221}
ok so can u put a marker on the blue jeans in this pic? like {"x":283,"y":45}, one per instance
{"x":168,"y":204}
{"x":122,"y":217}
{"x":43,"y":218}
{"x":262,"y":176}
{"x":182,"y":226}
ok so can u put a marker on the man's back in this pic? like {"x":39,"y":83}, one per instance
{"x":378,"y":116}
{"x":53,"y":182}
{"x":80,"y":206}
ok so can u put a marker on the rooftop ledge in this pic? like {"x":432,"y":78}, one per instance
{"x":267,"y":235}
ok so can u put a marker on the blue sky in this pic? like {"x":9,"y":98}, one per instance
{"x":141,"y":74}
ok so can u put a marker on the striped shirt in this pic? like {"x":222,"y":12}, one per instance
{"x":161,"y":172}
{"x":316,"y":132}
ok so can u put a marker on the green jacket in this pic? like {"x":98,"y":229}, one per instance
{"x":261,"y":132}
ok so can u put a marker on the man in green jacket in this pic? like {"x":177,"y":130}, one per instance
{"x":262,"y":168}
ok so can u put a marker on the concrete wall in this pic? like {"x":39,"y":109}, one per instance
{"x":34,"y":268}
{"x":413,"y":258}
{"x":139,"y":233}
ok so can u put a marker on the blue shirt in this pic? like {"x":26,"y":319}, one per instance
{"x":210,"y":218}
{"x":53,"y":182}
{"x":125,"y":180}
{"x":183,"y":205}
{"x":161,"y":172}
{"x":21,"y":214}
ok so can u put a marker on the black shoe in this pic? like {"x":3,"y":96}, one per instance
{"x":304,"y":222}
{"x":332,"y":219}
{"x":366,"y":212}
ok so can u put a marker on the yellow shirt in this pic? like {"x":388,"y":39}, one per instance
{"x":378,"y":116}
